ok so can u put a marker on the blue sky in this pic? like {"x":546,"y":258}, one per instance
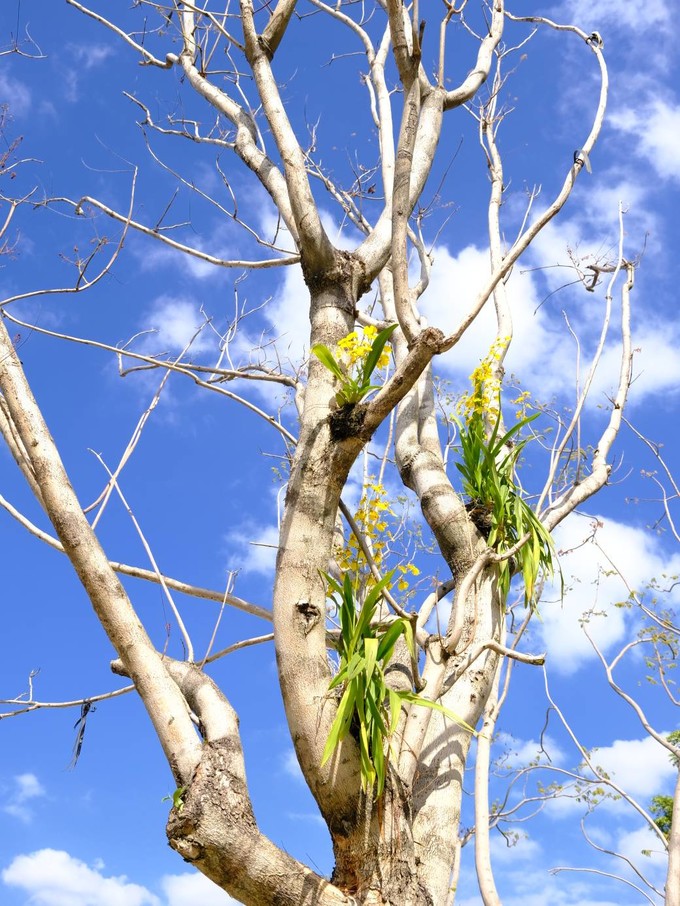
{"x":202,"y":482}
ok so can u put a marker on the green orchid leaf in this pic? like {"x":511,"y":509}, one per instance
{"x":325,"y":356}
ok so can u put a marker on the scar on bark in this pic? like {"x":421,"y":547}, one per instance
{"x":309,"y":613}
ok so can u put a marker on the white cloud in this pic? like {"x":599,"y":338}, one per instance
{"x":519,"y":752}
{"x":525,"y":849}
{"x":656,"y":366}
{"x":291,"y":766}
{"x":624,"y":759}
{"x":90,"y":55}
{"x":306,"y":817}
{"x":624,"y":17}
{"x":25,"y":788}
{"x":531,"y":886}
{"x":28,"y":787}
{"x":191,"y":889}
{"x":288,"y":315}
{"x":54,"y":878}
{"x":78,"y":59}
{"x":633,"y":844}
{"x":655,"y":133}
{"x":540,"y":354}
{"x":16,"y":94}
{"x":157,"y":256}
{"x":174,"y":321}
{"x":253,"y":548}
{"x":544,"y":354}
{"x":588,"y":566}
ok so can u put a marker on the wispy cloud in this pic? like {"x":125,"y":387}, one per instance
{"x":78,"y":59}
{"x":16,"y":94}
{"x":306,"y":817}
{"x":89,"y":55}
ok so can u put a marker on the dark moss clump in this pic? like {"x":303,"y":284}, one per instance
{"x":347,"y":421}
{"x":481,"y":515}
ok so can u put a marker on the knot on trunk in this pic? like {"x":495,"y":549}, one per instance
{"x":346,"y":270}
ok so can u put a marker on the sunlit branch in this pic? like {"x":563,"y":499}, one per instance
{"x":14,"y":204}
{"x":17,"y":449}
{"x":215,"y":21}
{"x":583,"y":394}
{"x":375,"y":250}
{"x":314,"y":242}
{"x":241,"y":263}
{"x":148,"y":58}
{"x":479,"y":74}
{"x":673,"y":874}
{"x":536,"y":660}
{"x":245,"y":143}
{"x":26,"y":705}
{"x":229,"y":585}
{"x":342,"y":197}
{"x":489,"y":121}
{"x":604,"y":874}
{"x":273,"y":34}
{"x":430,"y":602}
{"x":337,"y":13}
{"x":654,"y":448}
{"x":239,"y":646}
{"x":485,"y":877}
{"x":407,"y":53}
{"x":451,"y":11}
{"x":105,"y":591}
{"x":232,"y":215}
{"x":617,"y":855}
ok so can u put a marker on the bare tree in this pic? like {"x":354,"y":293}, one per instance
{"x":394,"y":828}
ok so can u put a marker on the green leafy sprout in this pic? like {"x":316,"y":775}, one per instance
{"x":368,"y":707}
{"x":177,"y":798}
{"x":355,"y":361}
